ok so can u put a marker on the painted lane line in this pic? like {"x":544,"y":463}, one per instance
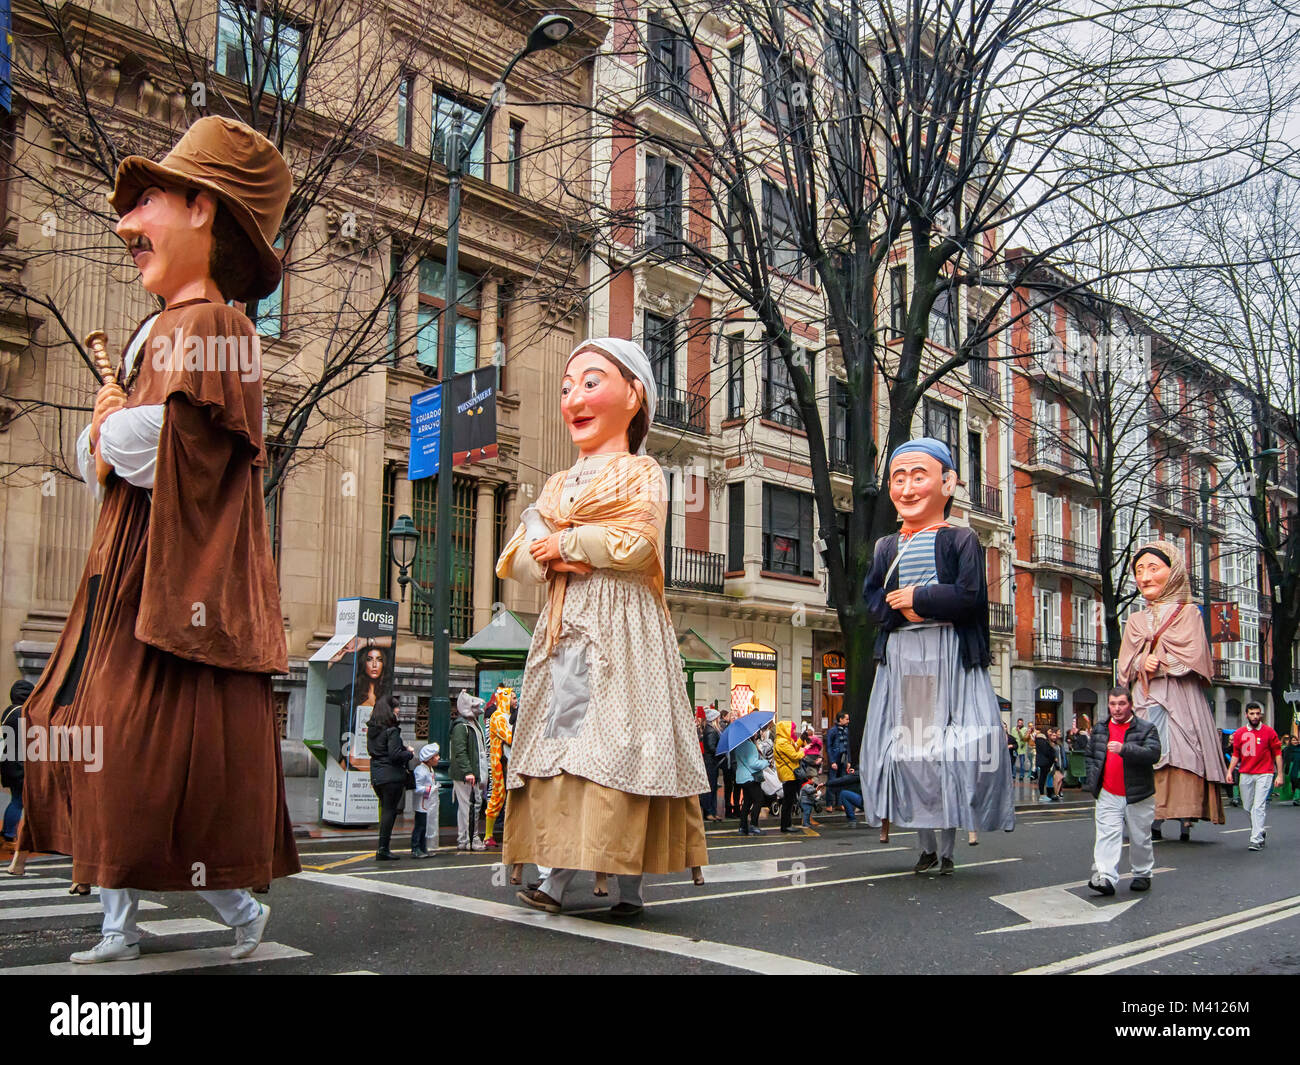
{"x":1057,"y":906}
{"x":180,"y":926}
{"x":797,"y":887}
{"x":357,"y":972}
{"x":74,"y":909}
{"x":758,"y":961}
{"x":1096,"y":957}
{"x":168,"y":961}
{"x":29,"y":880}
{"x":732,"y":872}
{"x":1187,"y":944}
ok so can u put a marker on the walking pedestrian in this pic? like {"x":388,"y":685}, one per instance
{"x":11,"y":769}
{"x":469,"y":768}
{"x":709,"y":748}
{"x":1257,"y":755}
{"x":390,"y":759}
{"x":750,"y":763}
{"x":1045,"y":761}
{"x":788,"y":753}
{"x":1292,"y":766}
{"x":426,"y":802}
{"x":1122,"y":753}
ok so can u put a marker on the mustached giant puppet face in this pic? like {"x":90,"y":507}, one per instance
{"x":170,"y":239}
{"x":920,"y":489}
{"x":597,"y":403}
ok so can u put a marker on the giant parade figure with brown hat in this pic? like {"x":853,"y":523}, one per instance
{"x":176,"y":630}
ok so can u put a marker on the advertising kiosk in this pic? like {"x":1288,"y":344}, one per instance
{"x":345,"y":678}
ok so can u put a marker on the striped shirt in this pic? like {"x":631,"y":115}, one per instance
{"x":916,"y":565}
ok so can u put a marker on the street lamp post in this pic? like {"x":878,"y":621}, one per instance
{"x":550,"y":31}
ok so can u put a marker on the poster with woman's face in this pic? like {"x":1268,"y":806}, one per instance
{"x":373,"y":679}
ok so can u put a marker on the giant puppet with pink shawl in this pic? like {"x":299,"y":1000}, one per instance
{"x":606,"y":771}
{"x":1165,"y":659}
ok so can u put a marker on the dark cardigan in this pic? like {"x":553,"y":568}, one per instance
{"x":961,"y":596}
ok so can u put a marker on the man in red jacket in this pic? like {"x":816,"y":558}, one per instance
{"x":1257,"y":752}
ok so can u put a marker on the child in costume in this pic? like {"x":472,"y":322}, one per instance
{"x":606,"y":770}
{"x":934,"y":757}
{"x":1165,"y":659}
{"x":175,"y":447}
{"x":500,"y":736}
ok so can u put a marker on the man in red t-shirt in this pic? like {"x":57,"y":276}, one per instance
{"x":1121,"y":753}
{"x":1257,"y":752}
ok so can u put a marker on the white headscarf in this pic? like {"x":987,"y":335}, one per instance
{"x":631,"y":357}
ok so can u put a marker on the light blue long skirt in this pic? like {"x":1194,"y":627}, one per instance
{"x":933,"y":752}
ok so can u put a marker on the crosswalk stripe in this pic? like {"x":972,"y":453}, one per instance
{"x":163,"y":962}
{"x":30,"y":879}
{"x":176,"y":926}
{"x":357,"y":972}
{"x":70,"y":909}
{"x":44,"y":893}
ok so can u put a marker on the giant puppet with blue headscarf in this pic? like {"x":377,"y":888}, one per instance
{"x":934,"y":755}
{"x":605,"y":772}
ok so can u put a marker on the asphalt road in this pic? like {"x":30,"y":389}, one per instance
{"x":775,"y":904}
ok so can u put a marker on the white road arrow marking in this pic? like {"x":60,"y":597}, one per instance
{"x":1057,"y":906}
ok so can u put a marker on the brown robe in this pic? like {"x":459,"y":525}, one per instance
{"x":169,"y":650}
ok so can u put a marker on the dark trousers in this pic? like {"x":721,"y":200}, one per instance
{"x":731,"y":792}
{"x":709,"y":800}
{"x":14,"y":811}
{"x":418,"y":832}
{"x":389,"y":797}
{"x":752,"y":805}
{"x":1044,"y":775}
{"x":789,"y":798}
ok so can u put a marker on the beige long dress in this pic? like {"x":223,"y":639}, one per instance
{"x":606,"y":770}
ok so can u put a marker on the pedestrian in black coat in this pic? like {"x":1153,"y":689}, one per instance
{"x":390,"y":761}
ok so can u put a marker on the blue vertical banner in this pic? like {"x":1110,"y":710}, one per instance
{"x":6,"y":56}
{"x":426,"y":429}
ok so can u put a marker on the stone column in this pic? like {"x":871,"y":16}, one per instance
{"x":484,"y":557}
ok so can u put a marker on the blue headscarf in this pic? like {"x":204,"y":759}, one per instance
{"x":926,"y":445}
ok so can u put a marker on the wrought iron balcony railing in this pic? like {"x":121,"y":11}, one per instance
{"x":986,"y":498}
{"x":1055,"y":551}
{"x":700,"y":571}
{"x":681,"y":410}
{"x":982,"y":377}
{"x":1000,"y":619}
{"x":1069,"y":651}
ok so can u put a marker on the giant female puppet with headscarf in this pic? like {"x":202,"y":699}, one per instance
{"x":1165,"y":659}
{"x":606,"y":772}
{"x":934,"y":756}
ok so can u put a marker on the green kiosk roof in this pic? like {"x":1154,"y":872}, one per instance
{"x":507,"y":636}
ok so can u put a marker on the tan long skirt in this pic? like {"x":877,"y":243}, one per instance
{"x":1183,"y":796}
{"x":568,"y":822}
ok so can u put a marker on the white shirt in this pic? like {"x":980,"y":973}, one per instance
{"x":128,"y":438}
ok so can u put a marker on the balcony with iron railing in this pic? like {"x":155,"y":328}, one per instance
{"x":1237,"y":671}
{"x":982,"y":377}
{"x":682,"y":410}
{"x":1055,"y":551}
{"x":699,"y":571}
{"x":1000,"y":619}
{"x":1066,"y":650}
{"x":660,"y":232}
{"x":837,"y":454}
{"x":678,"y":95}
{"x":1045,"y":451}
{"x":1219,"y":592}
{"x":986,"y":498}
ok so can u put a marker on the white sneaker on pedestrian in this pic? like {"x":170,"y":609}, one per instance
{"x":248,"y":937}
{"x":110,"y":948}
{"x":478,"y":845}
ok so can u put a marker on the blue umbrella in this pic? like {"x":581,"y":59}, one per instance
{"x":739,"y":731}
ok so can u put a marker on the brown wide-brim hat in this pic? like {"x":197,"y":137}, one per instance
{"x":237,"y":165}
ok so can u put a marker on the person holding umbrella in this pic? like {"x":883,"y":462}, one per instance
{"x":738,"y":739}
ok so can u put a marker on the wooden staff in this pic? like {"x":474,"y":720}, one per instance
{"x":97,"y":342}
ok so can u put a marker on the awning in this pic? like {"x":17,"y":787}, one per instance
{"x":506,"y":638}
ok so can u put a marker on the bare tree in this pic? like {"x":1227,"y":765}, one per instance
{"x":831,"y":145}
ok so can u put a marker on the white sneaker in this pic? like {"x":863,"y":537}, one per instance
{"x":110,"y":948}
{"x":478,"y":845}
{"x":248,"y":937}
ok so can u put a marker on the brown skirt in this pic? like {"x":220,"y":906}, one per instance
{"x":1183,"y":796}
{"x":568,"y":822}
